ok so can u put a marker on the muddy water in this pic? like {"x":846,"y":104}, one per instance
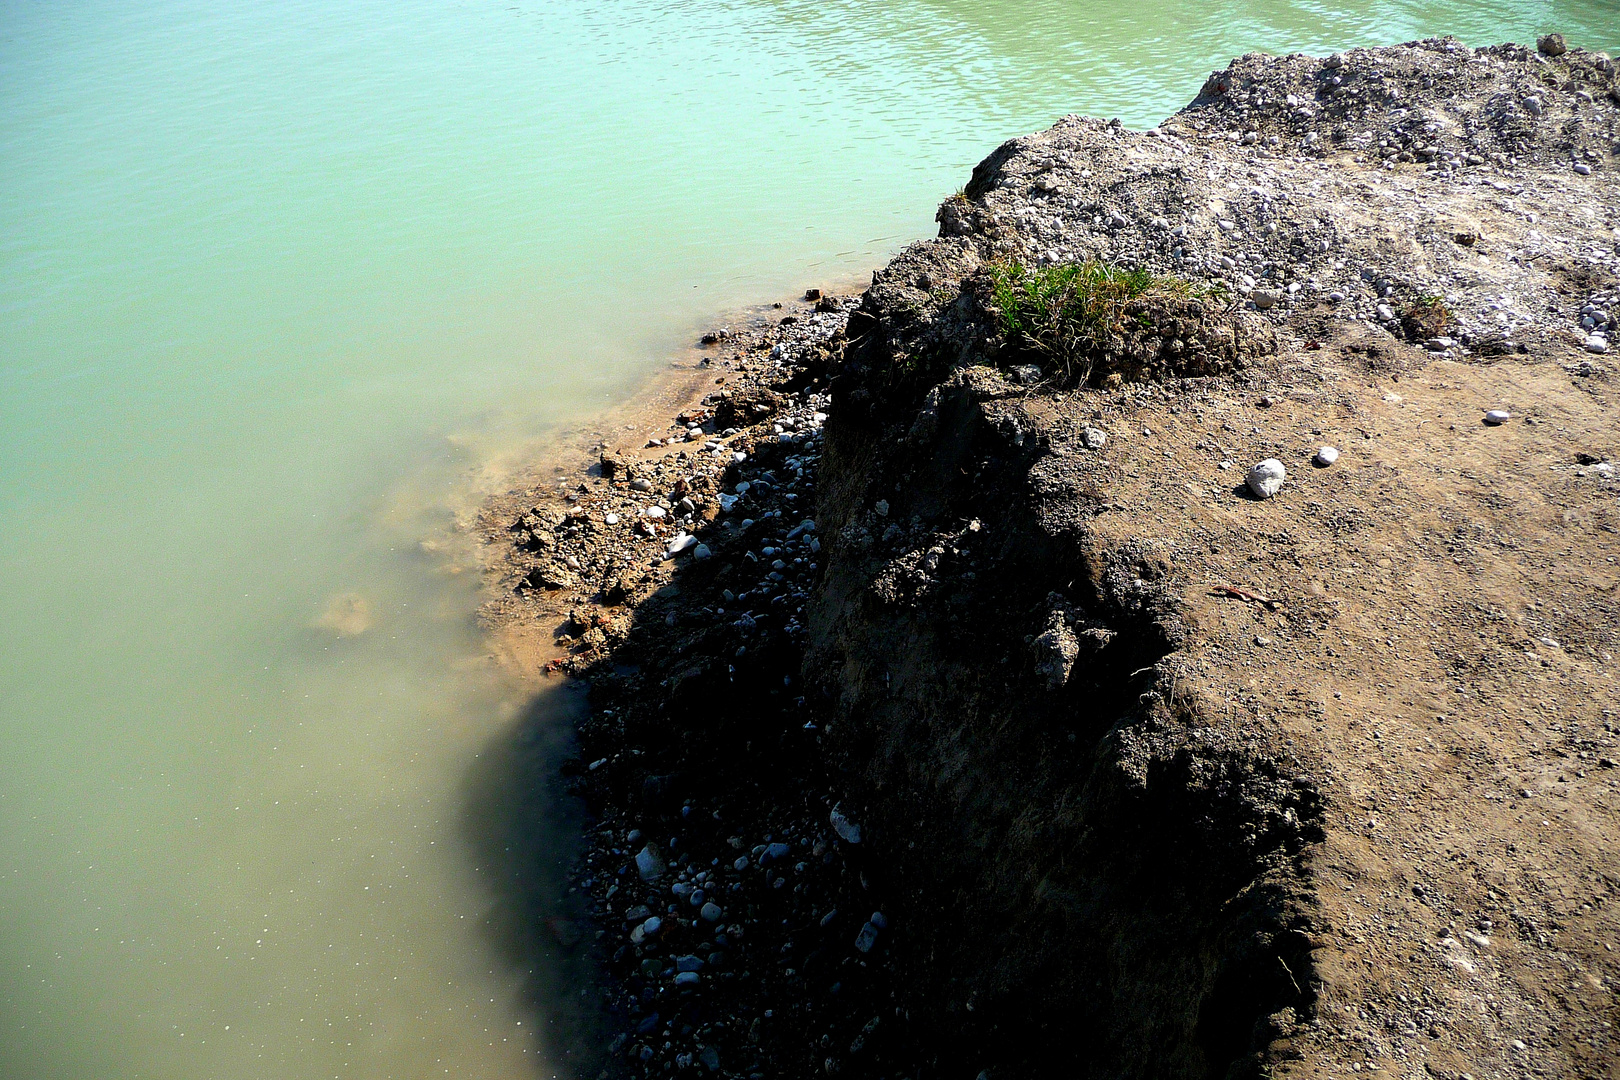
{"x":281,"y":286}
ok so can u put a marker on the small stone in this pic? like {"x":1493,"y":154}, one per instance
{"x":701,"y":552}
{"x":1093,"y":438}
{"x":1266,"y":478}
{"x":866,"y":938}
{"x":681,"y":543}
{"x":1597,"y":343}
{"x":881,"y":508}
{"x":711,"y":912}
{"x":1582,"y":169}
{"x":1439,"y":344}
{"x":846,"y":829}
{"x":688,"y":978}
{"x":654,"y":512}
{"x":710,"y":1058}
{"x":1325,"y":456}
{"x":1335,"y":297}
{"x":1498,"y":416}
{"x":649,"y":865}
{"x":1265,"y":298}
{"x":688,"y":963}
{"x":610,"y":519}
{"x":1551,"y":45}
{"x":641,"y":485}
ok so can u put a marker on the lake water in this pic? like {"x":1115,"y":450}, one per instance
{"x":281,"y":287}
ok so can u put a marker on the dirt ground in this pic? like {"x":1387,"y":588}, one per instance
{"x":1443,"y":660}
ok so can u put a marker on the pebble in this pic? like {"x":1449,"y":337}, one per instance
{"x":711,"y":911}
{"x":1264,"y":298}
{"x":1582,"y":169}
{"x":1325,"y":456}
{"x":681,"y":542}
{"x":1498,"y":416}
{"x":654,"y":512}
{"x":847,"y":830}
{"x":1093,"y":438}
{"x":1266,"y":478}
{"x":649,"y":865}
{"x":688,"y":978}
{"x":1439,"y":344}
{"x":866,"y":938}
{"x":701,"y":552}
{"x":881,"y":508}
{"x":1597,"y":343}
{"x":610,"y":519}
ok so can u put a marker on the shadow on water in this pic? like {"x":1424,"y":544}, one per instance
{"x":524,"y":832}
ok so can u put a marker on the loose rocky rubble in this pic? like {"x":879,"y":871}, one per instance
{"x":740,"y":930}
{"x":949,"y":720}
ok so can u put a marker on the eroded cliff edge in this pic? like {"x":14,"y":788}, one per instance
{"x":1151,"y":777}
{"x":1151,"y":828}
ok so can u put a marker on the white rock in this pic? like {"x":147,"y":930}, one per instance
{"x":681,"y":542}
{"x":610,"y":519}
{"x":1266,"y":478}
{"x":1325,"y":456}
{"x":1498,"y":416}
{"x":1093,"y":438}
{"x":654,"y":512}
{"x":1597,"y":343}
{"x":1264,"y":298}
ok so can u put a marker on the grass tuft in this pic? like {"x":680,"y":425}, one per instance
{"x":1428,"y":317}
{"x":1066,"y":313}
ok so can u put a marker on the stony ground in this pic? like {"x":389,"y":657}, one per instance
{"x":1422,"y":632}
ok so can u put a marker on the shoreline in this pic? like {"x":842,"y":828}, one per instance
{"x":1044,"y":740}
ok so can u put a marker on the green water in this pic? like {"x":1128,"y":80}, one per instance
{"x":280,"y":287}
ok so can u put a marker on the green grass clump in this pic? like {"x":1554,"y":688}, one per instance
{"x":1066,"y":313}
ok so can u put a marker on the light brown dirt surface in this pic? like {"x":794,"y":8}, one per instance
{"x":1443,"y":659}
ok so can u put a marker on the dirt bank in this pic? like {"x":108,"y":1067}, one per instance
{"x":965,"y":711}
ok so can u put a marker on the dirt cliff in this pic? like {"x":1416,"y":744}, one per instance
{"x":958,"y":709}
{"x":1183,"y":782}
